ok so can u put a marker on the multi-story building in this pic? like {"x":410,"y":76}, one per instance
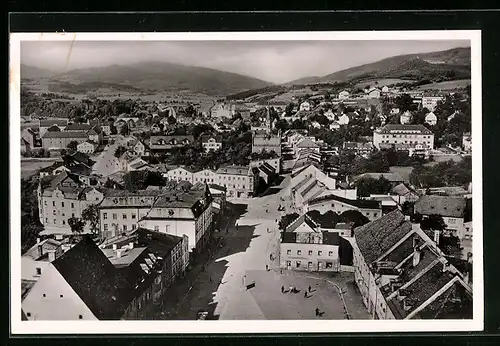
{"x":430,"y":102}
{"x":167,"y":143}
{"x":402,"y":274}
{"x":263,"y":140}
{"x":87,"y":147}
{"x":358,"y":148}
{"x":303,"y":246}
{"x":60,"y":140}
{"x":372,"y":209}
{"x":44,"y":124}
{"x":64,"y":198}
{"x":221,"y":110}
{"x":211,"y":143}
{"x":172,"y":212}
{"x":240,"y":181}
{"x":412,"y":135}
{"x":30,"y":136}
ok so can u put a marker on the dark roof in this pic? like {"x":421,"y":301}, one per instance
{"x":266,"y":170}
{"x":390,"y":176}
{"x":65,"y":135}
{"x":83,"y":158}
{"x":54,"y":128}
{"x":393,"y":128}
{"x":378,"y":236}
{"x":441,"y":205}
{"x":304,"y":218}
{"x":359,"y":203}
{"x":159,"y":243}
{"x":205,"y":138}
{"x":50,"y":122}
{"x":78,"y":127}
{"x":331,"y":238}
{"x":94,"y":279}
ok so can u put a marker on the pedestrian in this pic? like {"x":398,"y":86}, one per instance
{"x":267,"y":268}
{"x":210,"y":279}
{"x":282,"y":289}
{"x":317,"y":312}
{"x":305,"y":294}
{"x":309,"y":289}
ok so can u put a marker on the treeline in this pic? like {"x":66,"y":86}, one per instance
{"x":85,"y":87}
{"x":448,"y":173}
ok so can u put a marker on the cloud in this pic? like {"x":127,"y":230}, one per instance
{"x":274,"y":61}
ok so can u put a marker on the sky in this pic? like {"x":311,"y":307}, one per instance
{"x":272,"y":61}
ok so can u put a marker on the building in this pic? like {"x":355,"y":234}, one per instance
{"x":344,"y":94}
{"x":274,"y":163}
{"x":372,"y":209}
{"x":44,"y":124}
{"x":359,"y":148}
{"x":211,"y":143}
{"x":405,"y":118}
{"x":93,"y":131}
{"x":343,"y":119}
{"x":403,"y":134}
{"x":221,"y":110}
{"x":467,"y":142}
{"x":452,"y":209}
{"x":431,"y":119}
{"x":402,"y":274}
{"x":176,"y":212}
{"x":373,"y":93}
{"x":405,"y":193}
{"x":30,"y":136}
{"x":138,"y":147}
{"x":181,"y":173}
{"x":167,"y":143}
{"x":64,"y":198}
{"x":262,"y":140}
{"x":303,"y":246}
{"x":87,"y":147}
{"x":60,"y":140}
{"x":240,"y":181}
{"x":306,"y":144}
{"x":305,"y":106}
{"x":385,"y":89}
{"x":430,"y":102}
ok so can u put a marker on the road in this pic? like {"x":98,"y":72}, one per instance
{"x":251,"y":238}
{"x":106,"y":163}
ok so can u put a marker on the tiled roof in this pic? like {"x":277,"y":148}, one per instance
{"x":50,"y":122}
{"x":65,"y":135}
{"x":378,"y":236}
{"x":393,"y":128}
{"x":78,"y":127}
{"x":455,"y":304}
{"x":54,"y":128}
{"x":402,"y":190}
{"x":441,"y":205}
{"x":304,"y":218}
{"x":46,"y":245}
{"x":94,"y":280}
{"x":157,"y":242}
{"x":359,"y":203}
{"x":235,"y":170}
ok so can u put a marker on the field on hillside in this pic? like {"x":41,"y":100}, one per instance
{"x":381,"y":82}
{"x":287,"y":97}
{"x":403,"y":171}
{"x":30,"y":167}
{"x":455,"y":84}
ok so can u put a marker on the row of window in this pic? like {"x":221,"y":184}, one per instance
{"x":405,"y":136}
{"x":310,"y":252}
{"x":62,"y":204}
{"x":63,"y":222}
{"x":124,"y":227}
{"x":410,"y":142}
{"x":115,"y":216}
{"x":328,"y":265}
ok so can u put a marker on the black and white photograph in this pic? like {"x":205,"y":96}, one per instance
{"x":308,"y":181}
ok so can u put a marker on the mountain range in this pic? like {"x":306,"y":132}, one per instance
{"x":163,"y":76}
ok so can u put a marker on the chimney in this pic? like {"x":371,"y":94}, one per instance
{"x":446,"y":267}
{"x":436,"y":236}
{"x":131,"y":245}
{"x":40,"y":251}
{"x":416,"y":252}
{"x":52,"y":255}
{"x":38,"y":240}
{"x":118,"y":253}
{"x":115,"y":247}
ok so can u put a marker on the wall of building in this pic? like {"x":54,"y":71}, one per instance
{"x":339,"y":207}
{"x":60,"y":143}
{"x":401,"y":138}
{"x":312,"y":257}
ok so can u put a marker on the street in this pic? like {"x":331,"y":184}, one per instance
{"x":106,"y":163}
{"x":252,"y":236}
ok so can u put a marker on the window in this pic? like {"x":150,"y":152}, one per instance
{"x":44,"y":295}
{"x":80,"y":317}
{"x":105,"y":216}
{"x":288,"y":252}
{"x":310,"y":252}
{"x":452,"y":221}
{"x":375,"y":214}
{"x":320,"y":253}
{"x":105,"y":226}
{"x":60,"y":296}
{"x":45,"y":202}
{"x":72,"y":214}
{"x":299,"y":252}
{"x":167,"y":228}
{"x":330,"y":253}
{"x":329,"y":265}
{"x":62,"y":204}
{"x":55,"y":221}
{"x":64,"y":222}
{"x":114,"y":216}
{"x":124,"y":228}
{"x":53,"y":203}
{"x":133,"y":215}
{"x":124,"y":216}
{"x":46,"y":220}
{"x":28,"y":314}
{"x":54,"y":212}
{"x":38,"y":271}
{"x":297,"y":264}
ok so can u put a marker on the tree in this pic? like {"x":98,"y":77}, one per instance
{"x":433,"y":222}
{"x":76,"y":224}
{"x":91,"y":215}
{"x":124,"y":130}
{"x":112,"y":129}
{"x":120,"y":151}
{"x":140,"y":180}
{"x":369,"y":186}
{"x":72,"y":146}
{"x":63,"y":152}
{"x":171,"y":120}
{"x":353,"y":216}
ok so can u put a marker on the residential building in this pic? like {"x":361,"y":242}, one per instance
{"x":262,"y":140}
{"x":181,"y":173}
{"x":175,"y":212}
{"x":306,"y":144}
{"x":405,"y":118}
{"x":64,"y":198}
{"x":452,"y":209}
{"x":221,"y":110}
{"x":167,"y":143}
{"x":372,"y":209}
{"x":94,"y":132}
{"x":138,"y":147}
{"x":344,"y":94}
{"x":44,"y":124}
{"x":87,"y":147}
{"x":267,"y":173}
{"x":305,"y":106}
{"x":403,"y":134}
{"x":359,"y":148}
{"x":431,"y":119}
{"x":402,"y":274}
{"x":30,"y":136}
{"x":211,"y":143}
{"x":467,"y":142}
{"x":385,"y":89}
{"x":303,"y":246}
{"x":373,"y":93}
{"x":240,"y":181}
{"x":334,"y":125}
{"x":218,"y":204}
{"x":405,"y":193}
{"x":60,"y":140}
{"x":274,"y":163}
{"x":343,"y":119}
{"x":430,"y":102}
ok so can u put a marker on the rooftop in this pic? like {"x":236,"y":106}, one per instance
{"x":359,"y":203}
{"x":391,"y":177}
{"x":398,"y":128}
{"x":441,"y":205}
{"x":65,"y":135}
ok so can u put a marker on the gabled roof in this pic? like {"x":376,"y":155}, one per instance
{"x":441,"y":205}
{"x":65,"y":135}
{"x":94,"y":279}
{"x":378,"y":236}
{"x":304,"y":218}
{"x":402,"y":190}
{"x":54,"y":128}
{"x":359,"y":203}
{"x":78,"y":127}
{"x":205,"y":138}
{"x":235,"y":170}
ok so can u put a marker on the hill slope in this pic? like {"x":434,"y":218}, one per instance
{"x":32,"y":72}
{"x":162,"y":77}
{"x":449,"y":64}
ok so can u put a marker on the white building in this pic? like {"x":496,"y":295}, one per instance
{"x":305,"y":106}
{"x":431,"y":119}
{"x":87,"y":147}
{"x":403,"y":134}
{"x":344,"y":94}
{"x":430,"y":102}
{"x":211,"y":143}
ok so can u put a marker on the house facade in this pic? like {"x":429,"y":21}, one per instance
{"x":430,"y":102}
{"x":262,"y":140}
{"x":44,"y":124}
{"x":403,"y":134}
{"x":211,"y":143}
{"x":60,"y":140}
{"x":87,"y":147}
{"x":370,"y":208}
